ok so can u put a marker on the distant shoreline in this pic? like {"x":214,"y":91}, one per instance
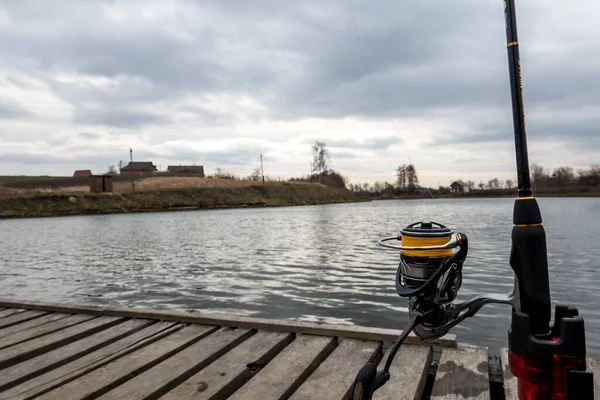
{"x":475,"y":195}
{"x":272,"y":194}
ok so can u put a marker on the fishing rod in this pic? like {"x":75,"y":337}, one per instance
{"x":548,"y":360}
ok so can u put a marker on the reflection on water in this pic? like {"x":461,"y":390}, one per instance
{"x":315,"y":263}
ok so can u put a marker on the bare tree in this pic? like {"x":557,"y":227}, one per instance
{"x":411,"y":177}
{"x":470,"y":185}
{"x":112,"y":170}
{"x":539,"y":177}
{"x":321,"y":158}
{"x":590,"y":177}
{"x":509,"y":184}
{"x":563,"y":176}
{"x":493,"y":183}
{"x":401,"y":177}
{"x":255,"y":175}
{"x":480,"y":185}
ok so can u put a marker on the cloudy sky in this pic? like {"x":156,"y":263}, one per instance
{"x":217,"y":83}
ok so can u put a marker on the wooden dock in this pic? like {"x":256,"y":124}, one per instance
{"x":53,"y":351}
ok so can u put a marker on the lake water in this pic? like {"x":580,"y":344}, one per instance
{"x":314,"y":263}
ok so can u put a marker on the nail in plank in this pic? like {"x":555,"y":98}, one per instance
{"x":286,"y":372}
{"x":232,"y":370}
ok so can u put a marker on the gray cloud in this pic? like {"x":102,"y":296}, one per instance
{"x":118,"y":117}
{"x":10,"y":109}
{"x":367,"y":144}
{"x":299,"y":60}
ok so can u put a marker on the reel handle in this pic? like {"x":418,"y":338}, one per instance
{"x":368,"y":381}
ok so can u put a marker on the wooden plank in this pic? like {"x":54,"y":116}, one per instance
{"x":20,"y":317}
{"x":31,"y":348}
{"x":335,"y":376}
{"x":286,"y":372}
{"x":17,"y":374}
{"x":53,"y":307}
{"x":10,"y":311}
{"x":44,"y":329}
{"x":463,"y":373}
{"x":169,"y":373}
{"x":90,"y":362}
{"x":511,"y":388}
{"x":308,"y":328}
{"x":231,"y":371}
{"x":121,"y":370}
{"x":408,"y":373}
{"x":594,"y":366}
{"x":23,"y":326}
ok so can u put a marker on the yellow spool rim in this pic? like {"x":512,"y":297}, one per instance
{"x":424,"y":241}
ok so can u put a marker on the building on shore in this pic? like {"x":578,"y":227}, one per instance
{"x":82,"y":172}
{"x":197,"y":170}
{"x":458,"y":186}
{"x":139,"y":168}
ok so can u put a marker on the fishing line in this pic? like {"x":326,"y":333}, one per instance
{"x":369,"y":67}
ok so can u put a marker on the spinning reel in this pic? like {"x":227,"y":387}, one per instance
{"x":430,"y":275}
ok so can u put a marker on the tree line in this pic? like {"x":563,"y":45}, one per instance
{"x":558,"y":180}
{"x":407,"y":183}
{"x":542,"y":178}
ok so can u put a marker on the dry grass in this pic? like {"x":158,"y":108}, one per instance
{"x":52,"y":203}
{"x":31,"y":191}
{"x":149,"y":184}
{"x":189,"y":182}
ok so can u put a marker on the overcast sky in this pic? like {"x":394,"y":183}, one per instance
{"x":217,"y":83}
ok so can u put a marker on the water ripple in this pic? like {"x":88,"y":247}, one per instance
{"x":316,"y":263}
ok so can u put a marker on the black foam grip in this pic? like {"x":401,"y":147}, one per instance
{"x":529,"y":260}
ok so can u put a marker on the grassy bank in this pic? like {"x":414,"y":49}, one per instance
{"x":47,"y":204}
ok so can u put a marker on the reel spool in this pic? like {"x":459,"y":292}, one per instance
{"x":429,"y":266}
{"x":417,"y":266}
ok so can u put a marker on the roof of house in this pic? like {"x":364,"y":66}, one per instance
{"x":185,"y":168}
{"x":139,"y":166}
{"x":459,"y":182}
{"x":83,"y":172}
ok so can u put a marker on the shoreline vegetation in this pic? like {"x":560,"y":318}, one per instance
{"x":177,"y":194}
{"x":45,"y":196}
{"x":559,"y":182}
